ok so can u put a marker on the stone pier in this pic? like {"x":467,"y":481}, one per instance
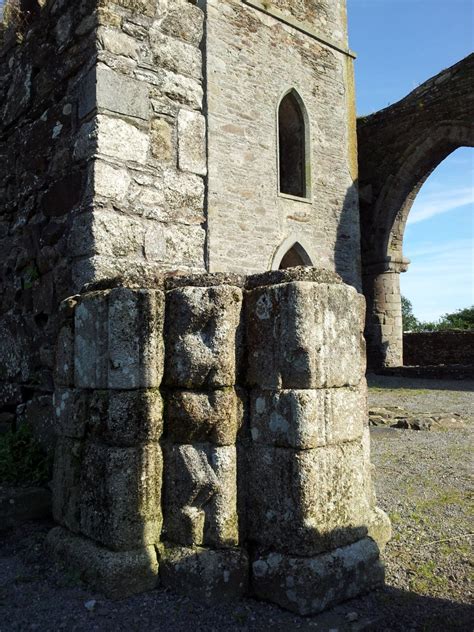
{"x":213,"y":436}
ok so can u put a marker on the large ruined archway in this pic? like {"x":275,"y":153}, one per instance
{"x":399,"y":147}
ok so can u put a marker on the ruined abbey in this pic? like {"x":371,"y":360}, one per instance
{"x":183,"y":265}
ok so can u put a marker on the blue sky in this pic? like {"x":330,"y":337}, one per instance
{"x":400,"y":44}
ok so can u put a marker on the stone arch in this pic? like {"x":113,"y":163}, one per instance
{"x":291,"y":253}
{"x":294,"y":155}
{"x":399,"y":148}
{"x":420,"y":160}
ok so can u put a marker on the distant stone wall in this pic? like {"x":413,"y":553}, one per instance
{"x":213,"y":436}
{"x":438,"y":347}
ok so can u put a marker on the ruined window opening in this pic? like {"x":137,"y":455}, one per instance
{"x":296,"y":256}
{"x":292,"y":146}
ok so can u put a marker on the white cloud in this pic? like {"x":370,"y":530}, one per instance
{"x":431,"y":204}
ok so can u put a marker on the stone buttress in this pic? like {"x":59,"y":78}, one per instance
{"x":213,"y":436}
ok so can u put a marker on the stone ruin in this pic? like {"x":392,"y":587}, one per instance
{"x":213,"y":437}
{"x":209,"y":418}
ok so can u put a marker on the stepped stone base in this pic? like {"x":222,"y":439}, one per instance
{"x":208,"y":575}
{"x":308,"y":585}
{"x":115,"y":574}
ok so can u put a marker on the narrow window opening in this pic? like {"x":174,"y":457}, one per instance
{"x":292,"y":144}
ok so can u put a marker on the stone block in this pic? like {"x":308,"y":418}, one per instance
{"x":72,"y":411}
{"x":209,"y":576}
{"x":346,"y":413}
{"x":118,"y":339}
{"x":68,"y":460}
{"x":200,"y":495}
{"x":121,"y":495}
{"x":135,"y":338}
{"x":310,"y":585}
{"x":203,"y":337}
{"x":305,"y":419}
{"x":122,"y":140}
{"x":175,"y":55}
{"x":194,"y":416}
{"x":126,"y":418}
{"x":115,"y":574}
{"x":309,"y":501}
{"x":184,"y":21}
{"x":64,"y":364}
{"x":161,"y":134}
{"x":288,"y":418}
{"x":90,"y":344}
{"x":304,"y":335}
{"x":192,"y":142}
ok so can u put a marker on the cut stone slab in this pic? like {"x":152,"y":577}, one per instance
{"x":197,"y":417}
{"x":304,"y":335}
{"x":310,"y":585}
{"x":20,"y":504}
{"x":67,"y":483}
{"x":309,"y":501}
{"x":121,"y":495}
{"x":116,"y":574}
{"x":202,"y":337}
{"x":119,"y":339}
{"x":209,"y":576}
{"x":305,"y":419}
{"x":200,"y":495}
{"x":118,"y":418}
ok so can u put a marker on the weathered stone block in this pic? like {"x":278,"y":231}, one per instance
{"x":288,"y":418}
{"x":194,"y":416}
{"x":175,"y":55}
{"x":72,"y":411}
{"x":121,"y":495}
{"x":313,"y":500}
{"x":115,"y":574}
{"x":304,"y":419}
{"x":118,"y":339}
{"x":64,"y":365}
{"x":309,"y":585}
{"x":161,"y":134}
{"x":203,"y":336}
{"x":304,"y":335}
{"x":126,"y":418}
{"x":209,"y":576}
{"x":200,"y":495}
{"x":192,"y":142}
{"x":118,"y":139}
{"x":135,"y":338}
{"x":68,"y":460}
{"x":184,"y":21}
{"x":90,"y":344}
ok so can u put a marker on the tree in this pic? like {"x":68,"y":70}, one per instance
{"x":460,"y":319}
{"x":409,"y":320}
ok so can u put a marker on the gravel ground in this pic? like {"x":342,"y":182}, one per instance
{"x":423,"y":482}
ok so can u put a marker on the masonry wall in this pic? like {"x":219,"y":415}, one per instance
{"x":102,"y":143}
{"x":438,"y":347}
{"x":45,"y":184}
{"x":252,"y":59}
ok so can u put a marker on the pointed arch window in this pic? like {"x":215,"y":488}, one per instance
{"x":293,"y":146}
{"x":295,"y":256}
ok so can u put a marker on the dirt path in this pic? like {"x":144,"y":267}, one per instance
{"x":423,"y":481}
